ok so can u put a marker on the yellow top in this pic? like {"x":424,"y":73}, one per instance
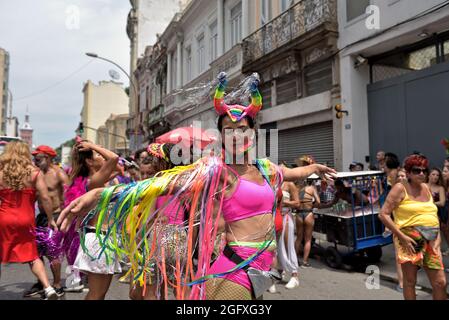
{"x":412,"y":213}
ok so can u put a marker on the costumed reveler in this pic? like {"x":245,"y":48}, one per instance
{"x":92,"y":167}
{"x":169,"y":234}
{"x":243,"y":194}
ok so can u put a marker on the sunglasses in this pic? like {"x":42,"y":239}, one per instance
{"x":417,"y":171}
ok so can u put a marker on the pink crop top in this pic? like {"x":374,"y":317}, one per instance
{"x":248,"y":200}
{"x":173,"y":210}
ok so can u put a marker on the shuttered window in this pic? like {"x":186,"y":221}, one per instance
{"x":315,"y":140}
{"x":287,"y":88}
{"x":265,"y":91}
{"x":318,"y":77}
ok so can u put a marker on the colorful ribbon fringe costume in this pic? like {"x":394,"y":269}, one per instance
{"x":134,"y":219}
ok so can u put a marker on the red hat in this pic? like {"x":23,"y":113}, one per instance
{"x":45,"y":150}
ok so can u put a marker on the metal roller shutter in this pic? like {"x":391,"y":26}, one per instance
{"x":315,"y":140}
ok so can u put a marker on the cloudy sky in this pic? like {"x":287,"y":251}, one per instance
{"x":47,"y":40}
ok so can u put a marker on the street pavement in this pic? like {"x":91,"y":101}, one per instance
{"x":317,"y":283}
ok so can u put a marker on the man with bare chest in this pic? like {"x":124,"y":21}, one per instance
{"x":56,"y":179}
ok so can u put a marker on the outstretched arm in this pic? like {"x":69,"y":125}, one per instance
{"x":168,"y":183}
{"x":79,"y":208}
{"x":302,"y":173}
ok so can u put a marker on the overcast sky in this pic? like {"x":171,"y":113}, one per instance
{"x":47,"y":40}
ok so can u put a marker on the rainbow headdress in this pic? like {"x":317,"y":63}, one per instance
{"x":237,"y":112}
{"x":129,"y":211}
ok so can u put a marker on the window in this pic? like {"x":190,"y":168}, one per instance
{"x":189,"y":63}
{"x":147,"y":100}
{"x":265,"y":15}
{"x":265,"y":91}
{"x":174,"y":68}
{"x":318,"y":77}
{"x":287,"y":88}
{"x":142,"y":99}
{"x":201,"y":54}
{"x":236,"y":24}
{"x":446,"y":50}
{"x":153,"y":97}
{"x":285,"y":4}
{"x":213,"y":43}
{"x":355,"y":8}
{"x":422,"y":58}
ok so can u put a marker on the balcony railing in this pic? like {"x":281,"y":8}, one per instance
{"x":301,"y":18}
{"x":230,"y":62}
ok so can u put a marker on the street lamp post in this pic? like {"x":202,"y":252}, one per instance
{"x":131,"y":82}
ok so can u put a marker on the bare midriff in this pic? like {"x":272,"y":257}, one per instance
{"x":254,"y":229}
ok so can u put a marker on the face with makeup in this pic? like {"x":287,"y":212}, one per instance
{"x":237,"y":136}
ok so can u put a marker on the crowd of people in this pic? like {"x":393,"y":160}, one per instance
{"x":224,"y":227}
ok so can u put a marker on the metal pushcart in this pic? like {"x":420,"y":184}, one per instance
{"x":353,"y":227}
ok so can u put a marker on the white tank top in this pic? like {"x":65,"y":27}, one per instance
{"x":285,"y":195}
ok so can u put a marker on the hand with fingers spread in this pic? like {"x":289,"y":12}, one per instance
{"x":222,"y":79}
{"x":301,"y":173}
{"x":254,"y":85}
{"x":326,"y":173}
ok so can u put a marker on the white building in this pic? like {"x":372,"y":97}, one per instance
{"x":100,"y":101}
{"x":394,"y":77}
{"x":12,"y":127}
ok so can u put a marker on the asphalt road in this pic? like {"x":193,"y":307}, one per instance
{"x":316,"y":283}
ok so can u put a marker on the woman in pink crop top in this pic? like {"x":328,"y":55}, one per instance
{"x":248,"y":202}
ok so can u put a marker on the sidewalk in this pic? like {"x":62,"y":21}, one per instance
{"x":387,"y":268}
{"x":387,"y":264}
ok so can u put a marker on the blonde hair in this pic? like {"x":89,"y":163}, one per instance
{"x":16,"y":164}
{"x":305,"y":160}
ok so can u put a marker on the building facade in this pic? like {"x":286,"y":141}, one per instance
{"x":292,"y":45}
{"x":151,"y":75}
{"x":394,"y":62}
{"x":145,"y":20}
{"x":112,"y":135}
{"x":295,"y":54}
{"x":12,"y":127}
{"x":100,"y":101}
{"x":204,"y":40}
{"x":26,"y":131}
{"x":4,"y":89}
